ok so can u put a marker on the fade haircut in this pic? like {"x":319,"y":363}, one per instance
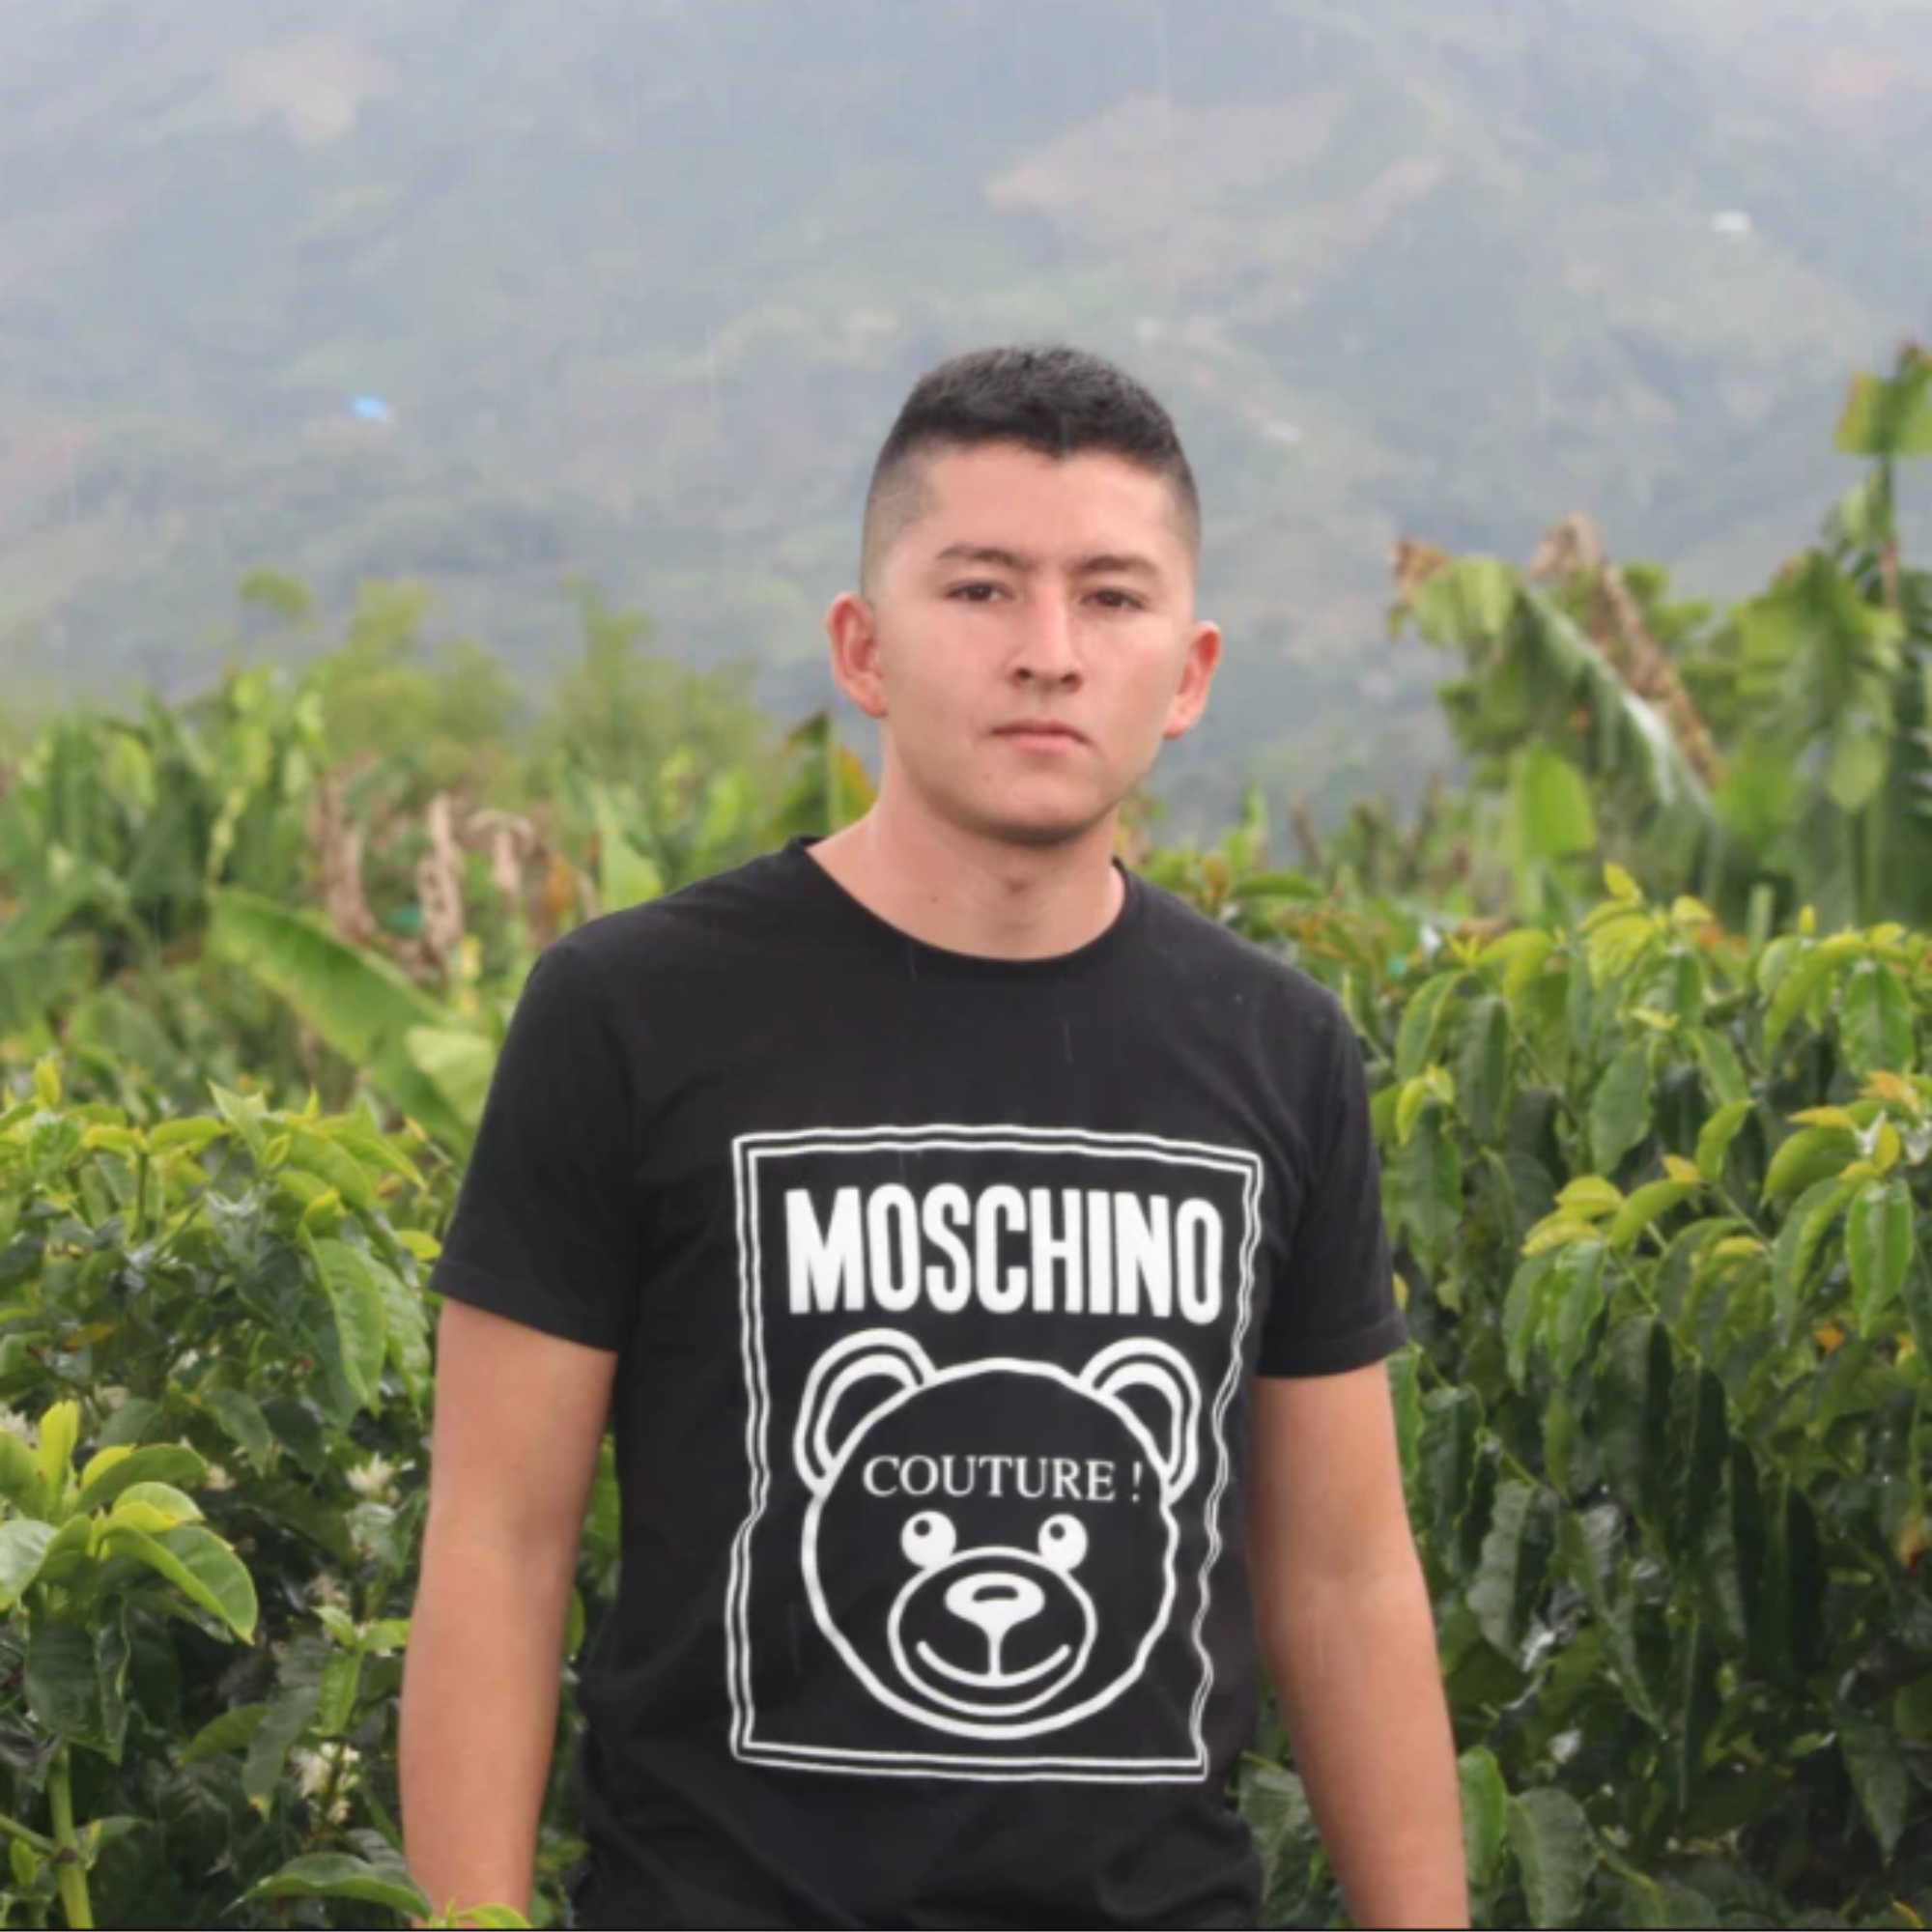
{"x":1054,"y":400}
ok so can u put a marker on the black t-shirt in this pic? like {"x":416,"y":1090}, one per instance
{"x":936,"y":1284}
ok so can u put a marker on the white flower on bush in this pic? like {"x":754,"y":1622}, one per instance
{"x":375,"y":1481}
{"x":111,"y":1398}
{"x":327,"y":1593}
{"x":218,"y":1478}
{"x":330,"y":1765}
{"x":16,"y":1424}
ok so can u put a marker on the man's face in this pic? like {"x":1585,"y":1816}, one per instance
{"x":1030,"y":591}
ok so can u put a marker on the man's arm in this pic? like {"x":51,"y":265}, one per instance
{"x":1348,"y":1639}
{"x":518,"y":1418}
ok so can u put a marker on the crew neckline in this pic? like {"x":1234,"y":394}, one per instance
{"x":923,"y":955}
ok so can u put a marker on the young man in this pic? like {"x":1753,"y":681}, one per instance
{"x":979,"y":1255}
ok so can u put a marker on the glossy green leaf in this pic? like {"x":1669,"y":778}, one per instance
{"x":53,"y":1458}
{"x":356,"y":1299}
{"x":1877,"y":1768}
{"x":1806,"y":1158}
{"x":1485,"y":1813}
{"x":1482,"y":1067}
{"x":1555,"y":1851}
{"x":1514,"y":1557}
{"x":62,"y":1677}
{"x":1574,"y":1302}
{"x":1630,"y":1407}
{"x":1421,"y":1019}
{"x":240,"y":1415}
{"x":1620,"y":1107}
{"x":111,"y":1472}
{"x":1713,"y":1143}
{"x":1876,"y":1024}
{"x":1649,"y":1203}
{"x":337,"y":1875}
{"x":1879,"y":1248}
{"x":198,"y":1564}
{"x":1429,"y":1182}
{"x":23,"y":1548}
{"x":232,"y":1732}
{"x":288,"y":1715}
{"x":1799,"y":1241}
{"x":1721,"y":1066}
{"x":20,"y":1479}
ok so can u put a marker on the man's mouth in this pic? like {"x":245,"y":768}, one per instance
{"x":1041,"y":734}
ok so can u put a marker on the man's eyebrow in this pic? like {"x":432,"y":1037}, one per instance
{"x":1111,"y":563}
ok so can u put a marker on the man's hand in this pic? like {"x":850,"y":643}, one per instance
{"x":518,"y":1418}
{"x":1346,"y":1631}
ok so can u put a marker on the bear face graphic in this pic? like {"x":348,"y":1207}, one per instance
{"x":991,"y":1548}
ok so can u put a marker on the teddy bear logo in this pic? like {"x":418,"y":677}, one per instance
{"x":991,"y":1548}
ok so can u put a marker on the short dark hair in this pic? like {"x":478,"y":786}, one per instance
{"x":1049,"y":398}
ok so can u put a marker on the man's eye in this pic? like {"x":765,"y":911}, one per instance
{"x":969,"y":593}
{"x":1120,"y":600}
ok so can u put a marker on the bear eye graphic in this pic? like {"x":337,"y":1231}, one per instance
{"x":929,"y":1538}
{"x":1062,"y":1542}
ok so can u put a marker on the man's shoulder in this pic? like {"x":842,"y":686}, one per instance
{"x":1196,"y":946}
{"x":688,"y":928}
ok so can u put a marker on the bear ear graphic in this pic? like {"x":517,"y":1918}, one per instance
{"x":1123,"y":1372}
{"x":888,"y":1362}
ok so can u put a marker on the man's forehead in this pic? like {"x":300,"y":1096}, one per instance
{"x":1131,"y":514}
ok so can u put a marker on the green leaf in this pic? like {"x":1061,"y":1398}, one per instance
{"x":1574,"y":1301}
{"x":1792,"y":1260}
{"x":1795,"y":992}
{"x":114,"y":1471}
{"x":198,"y":1564}
{"x":1620,"y":1107}
{"x":361,"y":1004}
{"x":1524,"y":1309}
{"x":53,"y":1460}
{"x":1721,"y":1064}
{"x":23,"y":1548}
{"x":356,"y":1298}
{"x":337,"y":1875}
{"x":314,"y":1154}
{"x":234,"y":1730}
{"x":1555,"y":1854}
{"x":341,"y":1680}
{"x":63,"y":1681}
{"x":1879,"y":1777}
{"x":1917,"y":1290}
{"x":1590,"y":1197}
{"x":1485,"y":1813}
{"x":19,"y":1480}
{"x":1482,"y":1069}
{"x":1551,"y":814}
{"x":1631,"y":1405}
{"x":1429,"y":1184}
{"x":1876,"y":1022}
{"x":1650,"y":1202}
{"x":1809,"y":1155}
{"x":162,"y":1500}
{"x":1879,"y":1248}
{"x":1713,"y":1143}
{"x":282,"y":1723}
{"x":1514,"y":1557}
{"x":1695,"y":1702}
{"x":1415,"y":1037}
{"x":1890,"y":415}
{"x":240,"y":1415}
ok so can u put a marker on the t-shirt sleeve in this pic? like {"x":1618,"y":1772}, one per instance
{"x":1334,"y":1306}
{"x":545,"y":1228}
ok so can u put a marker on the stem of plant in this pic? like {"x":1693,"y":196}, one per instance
{"x":69,"y":1873}
{"x":11,"y":1827}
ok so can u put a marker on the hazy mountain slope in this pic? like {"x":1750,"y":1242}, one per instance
{"x":643,"y":285}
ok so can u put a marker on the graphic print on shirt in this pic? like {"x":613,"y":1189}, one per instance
{"x":990,"y":1374}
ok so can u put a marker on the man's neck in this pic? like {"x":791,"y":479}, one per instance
{"x":968,"y":893}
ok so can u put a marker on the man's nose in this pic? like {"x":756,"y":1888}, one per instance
{"x":1049,"y":651}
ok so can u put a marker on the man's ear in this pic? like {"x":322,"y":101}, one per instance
{"x":881,"y":1365}
{"x":1191,"y":697}
{"x":852,"y":627}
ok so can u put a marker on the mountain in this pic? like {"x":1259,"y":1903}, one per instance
{"x":492,"y":295}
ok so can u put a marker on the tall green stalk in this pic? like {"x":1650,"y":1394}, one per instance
{"x":69,"y":1871}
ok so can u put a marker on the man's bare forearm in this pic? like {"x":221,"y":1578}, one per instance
{"x":1361,"y":1691}
{"x":479,"y":1719}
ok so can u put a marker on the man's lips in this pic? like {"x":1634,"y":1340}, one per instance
{"x":1041,"y":731}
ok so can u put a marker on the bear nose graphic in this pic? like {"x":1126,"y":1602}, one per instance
{"x":995,"y":1602}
